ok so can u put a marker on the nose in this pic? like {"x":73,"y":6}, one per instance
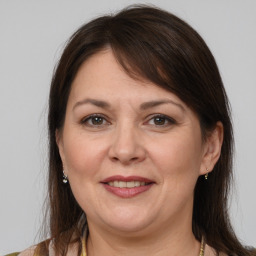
{"x":127,"y":146}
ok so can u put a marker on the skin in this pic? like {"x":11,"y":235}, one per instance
{"x":127,"y":137}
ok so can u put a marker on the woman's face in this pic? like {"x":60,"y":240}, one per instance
{"x":132,"y":150}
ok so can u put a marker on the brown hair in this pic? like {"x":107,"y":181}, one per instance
{"x":155,"y":45}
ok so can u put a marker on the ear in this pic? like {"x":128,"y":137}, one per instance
{"x":59,"y":142}
{"x":212,"y":149}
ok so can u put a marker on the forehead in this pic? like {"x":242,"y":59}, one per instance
{"x":102,"y":76}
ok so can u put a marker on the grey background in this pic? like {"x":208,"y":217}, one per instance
{"x":32,"y":35}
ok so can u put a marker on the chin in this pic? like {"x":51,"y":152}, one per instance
{"x":127,"y":221}
{"x":128,"y":229}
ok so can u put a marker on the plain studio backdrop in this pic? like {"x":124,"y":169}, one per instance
{"x":32,"y":36}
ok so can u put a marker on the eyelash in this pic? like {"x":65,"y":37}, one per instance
{"x":86,"y":120}
{"x":167,"y":119}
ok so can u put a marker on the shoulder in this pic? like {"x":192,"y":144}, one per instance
{"x":251,"y":249}
{"x":28,"y":252}
{"x":211,"y":252}
{"x":46,"y":248}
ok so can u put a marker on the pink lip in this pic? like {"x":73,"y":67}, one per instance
{"x":129,"y":178}
{"x":127,"y":192}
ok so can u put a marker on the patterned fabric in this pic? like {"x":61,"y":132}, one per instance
{"x":13,"y":254}
{"x":72,"y":251}
{"x":84,"y":239}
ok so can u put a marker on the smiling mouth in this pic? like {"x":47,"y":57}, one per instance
{"x":127,"y":184}
{"x":127,"y":187}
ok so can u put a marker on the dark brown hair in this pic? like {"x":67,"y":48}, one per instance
{"x":152,"y":44}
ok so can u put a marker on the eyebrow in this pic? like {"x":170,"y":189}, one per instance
{"x":151,"y":104}
{"x":98,"y":103}
{"x":143,"y":106}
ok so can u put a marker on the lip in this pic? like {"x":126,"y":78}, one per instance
{"x":127,"y":192}
{"x":126,"y":179}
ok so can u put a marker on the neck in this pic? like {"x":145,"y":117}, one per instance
{"x":161,"y":242}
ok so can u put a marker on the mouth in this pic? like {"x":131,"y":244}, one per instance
{"x":128,"y":184}
{"x":126,"y":187}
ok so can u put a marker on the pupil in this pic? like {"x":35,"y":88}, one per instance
{"x":97,"y":120}
{"x":159,"y":120}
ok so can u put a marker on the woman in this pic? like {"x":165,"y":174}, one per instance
{"x":140,"y":142}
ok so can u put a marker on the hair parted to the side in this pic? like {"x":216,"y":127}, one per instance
{"x":152,"y":44}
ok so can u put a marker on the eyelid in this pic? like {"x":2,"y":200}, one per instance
{"x":168,"y":118}
{"x":88,"y":117}
{"x":170,"y":121}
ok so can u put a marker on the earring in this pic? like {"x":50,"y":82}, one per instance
{"x":206,"y":175}
{"x":65,"y":178}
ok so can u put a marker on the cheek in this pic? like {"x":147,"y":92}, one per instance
{"x":83,"y":155}
{"x":83,"y":159}
{"x":178,"y":159}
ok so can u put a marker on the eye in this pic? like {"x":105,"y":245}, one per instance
{"x":161,"y":120}
{"x":95,"y":120}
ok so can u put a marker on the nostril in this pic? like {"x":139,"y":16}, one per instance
{"x":126,"y":152}
{"x":125,"y":160}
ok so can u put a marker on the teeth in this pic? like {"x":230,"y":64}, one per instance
{"x":122,"y":184}
{"x":128,"y":184}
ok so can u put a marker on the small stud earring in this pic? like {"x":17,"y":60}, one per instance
{"x":65,"y":178}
